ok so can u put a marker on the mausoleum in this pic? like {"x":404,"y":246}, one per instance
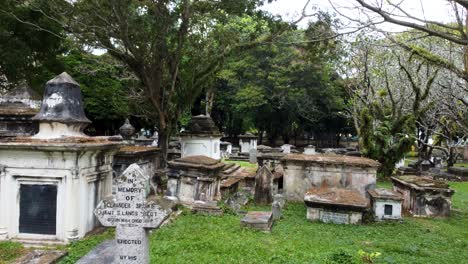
{"x":51,"y":182}
{"x":201,"y":137}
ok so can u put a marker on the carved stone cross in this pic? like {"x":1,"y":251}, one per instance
{"x":132,"y":215}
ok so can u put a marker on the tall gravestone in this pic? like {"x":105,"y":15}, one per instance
{"x":132,"y":215}
{"x":263,"y":186}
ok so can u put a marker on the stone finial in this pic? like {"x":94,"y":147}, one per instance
{"x":62,"y":113}
{"x":127,"y":130}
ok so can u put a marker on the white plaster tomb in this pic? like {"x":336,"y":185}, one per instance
{"x":386,"y":204}
{"x":247,"y":142}
{"x":201,"y":137}
{"x":51,"y":183}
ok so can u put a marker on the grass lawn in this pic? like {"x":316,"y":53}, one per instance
{"x":252,"y":167}
{"x":465,"y":164}
{"x":204,"y":239}
{"x":82,"y":247}
{"x":10,"y":251}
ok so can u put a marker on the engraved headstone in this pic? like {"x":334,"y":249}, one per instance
{"x":276,"y":210}
{"x":263,"y":186}
{"x":132,"y":215}
{"x":253,"y":155}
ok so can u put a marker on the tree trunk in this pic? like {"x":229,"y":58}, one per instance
{"x":164,"y":136}
{"x":451,"y":157}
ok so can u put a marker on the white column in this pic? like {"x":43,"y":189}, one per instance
{"x":3,"y":205}
{"x":72,"y":205}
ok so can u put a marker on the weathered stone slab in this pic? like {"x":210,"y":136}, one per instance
{"x":258,"y":220}
{"x":207,"y":208}
{"x":41,"y":257}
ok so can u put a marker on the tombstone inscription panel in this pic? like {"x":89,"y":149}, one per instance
{"x":131,"y":214}
{"x":333,"y":217}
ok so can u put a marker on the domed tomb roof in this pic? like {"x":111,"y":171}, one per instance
{"x":62,"y":102}
{"x":201,"y":125}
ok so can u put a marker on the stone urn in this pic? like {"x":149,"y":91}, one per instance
{"x":127,"y":130}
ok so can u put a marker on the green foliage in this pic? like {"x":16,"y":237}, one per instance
{"x":204,"y":239}
{"x":28,"y":51}
{"x":80,"y":248}
{"x":341,"y":257}
{"x":10,"y":251}
{"x":385,"y":137}
{"x":284,"y":87}
{"x":104,"y":87}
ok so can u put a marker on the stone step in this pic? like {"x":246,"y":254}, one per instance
{"x":38,"y":243}
{"x":232,"y":169}
{"x":228,"y":165}
{"x":239,"y":158}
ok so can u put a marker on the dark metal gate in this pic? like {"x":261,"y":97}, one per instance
{"x":38,"y":209}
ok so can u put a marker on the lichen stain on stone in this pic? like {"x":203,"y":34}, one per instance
{"x":54,"y":100}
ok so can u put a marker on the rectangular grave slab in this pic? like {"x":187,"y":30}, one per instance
{"x":258,"y":220}
{"x":207,"y":208}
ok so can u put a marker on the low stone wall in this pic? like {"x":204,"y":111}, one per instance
{"x":302,"y":172}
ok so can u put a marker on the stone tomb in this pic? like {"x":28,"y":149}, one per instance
{"x":258,"y":220}
{"x":335,"y":205}
{"x":147,"y":157}
{"x":17,"y":107}
{"x":386,"y":204}
{"x":247,"y":142}
{"x":423,"y":196}
{"x":202,"y":137}
{"x":194,"y":178}
{"x":302,"y":172}
{"x":50,"y":183}
{"x":132,"y":215}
